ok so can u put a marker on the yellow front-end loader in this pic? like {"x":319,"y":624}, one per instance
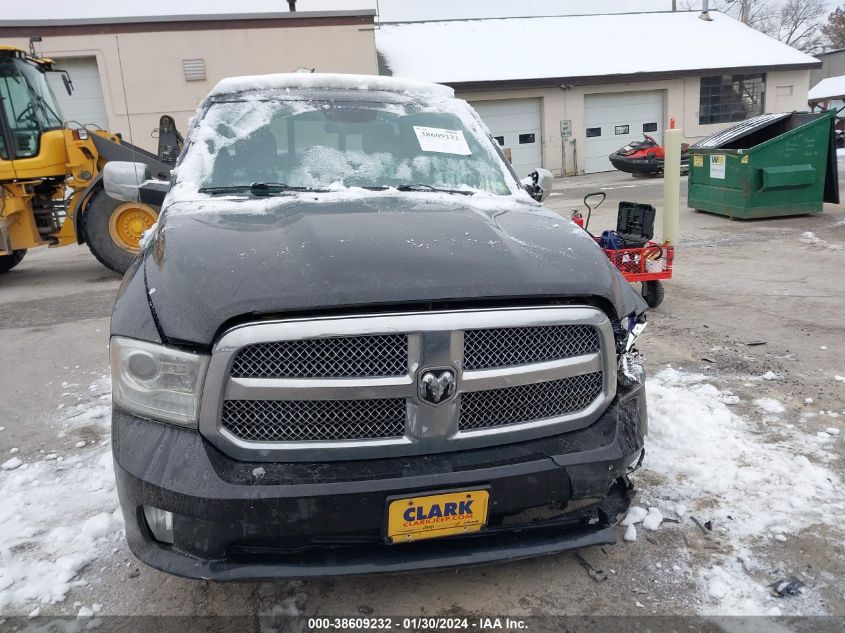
{"x":51,"y":192}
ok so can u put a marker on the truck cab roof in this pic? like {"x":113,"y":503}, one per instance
{"x":330,"y":81}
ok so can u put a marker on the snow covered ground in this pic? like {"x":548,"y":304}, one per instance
{"x":759,"y":481}
{"x":59,"y":511}
{"x":747,"y":467}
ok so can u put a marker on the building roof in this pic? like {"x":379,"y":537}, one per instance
{"x":833,"y":52}
{"x":830,"y":88}
{"x":522,"y":50}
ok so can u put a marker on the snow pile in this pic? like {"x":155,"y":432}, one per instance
{"x":715,"y":464}
{"x":808,"y":237}
{"x":650,"y":520}
{"x":58,"y":514}
{"x":11,"y":464}
{"x":653,"y":519}
{"x":148,"y":236}
{"x":770,"y":405}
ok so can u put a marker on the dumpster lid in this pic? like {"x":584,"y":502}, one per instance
{"x":742,"y":129}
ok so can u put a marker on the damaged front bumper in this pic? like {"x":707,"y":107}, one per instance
{"x":234,"y":520}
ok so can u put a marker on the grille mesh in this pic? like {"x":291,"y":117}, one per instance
{"x":299,"y":420}
{"x":512,"y":405}
{"x":338,"y":357}
{"x":507,"y":347}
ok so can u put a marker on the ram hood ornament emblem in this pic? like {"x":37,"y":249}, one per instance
{"x":437,"y":385}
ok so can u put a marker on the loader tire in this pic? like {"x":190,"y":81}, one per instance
{"x":113,"y":229}
{"x":7,"y":262}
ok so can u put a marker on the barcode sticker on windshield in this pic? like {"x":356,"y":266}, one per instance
{"x":435,"y":139}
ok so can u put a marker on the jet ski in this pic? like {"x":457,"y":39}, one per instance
{"x":645,"y":157}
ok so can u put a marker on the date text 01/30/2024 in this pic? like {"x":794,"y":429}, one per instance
{"x":417,"y":624}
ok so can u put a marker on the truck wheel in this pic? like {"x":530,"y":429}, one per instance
{"x":653,"y":293}
{"x":113,"y":229}
{"x":7,"y":262}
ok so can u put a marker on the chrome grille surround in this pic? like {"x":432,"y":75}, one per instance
{"x":434,"y":340}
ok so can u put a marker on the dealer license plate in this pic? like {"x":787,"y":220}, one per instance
{"x":432,"y":516}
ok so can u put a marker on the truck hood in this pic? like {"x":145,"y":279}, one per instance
{"x":212,"y":262}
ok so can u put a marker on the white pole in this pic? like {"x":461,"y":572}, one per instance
{"x":671,"y":183}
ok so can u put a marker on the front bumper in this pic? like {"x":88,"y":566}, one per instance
{"x":237,"y":520}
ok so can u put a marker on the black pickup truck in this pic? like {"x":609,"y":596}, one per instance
{"x":355,"y":342}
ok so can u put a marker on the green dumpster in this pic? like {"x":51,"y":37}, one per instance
{"x":769,"y":165}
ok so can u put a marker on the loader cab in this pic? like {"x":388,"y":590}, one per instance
{"x":29,"y":112}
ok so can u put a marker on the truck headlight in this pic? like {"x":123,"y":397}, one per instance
{"x":157,"y":381}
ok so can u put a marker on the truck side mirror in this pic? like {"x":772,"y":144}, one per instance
{"x":131,"y":182}
{"x":539,"y":184}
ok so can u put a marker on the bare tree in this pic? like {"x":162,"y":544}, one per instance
{"x":793,"y":22}
{"x":758,"y":14}
{"x":834,"y":29}
{"x":799,"y":24}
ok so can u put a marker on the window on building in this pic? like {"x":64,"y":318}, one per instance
{"x":622,"y":129}
{"x":730,"y":98}
{"x":593,"y":131}
{"x":649,"y":127}
{"x":526,"y":138}
{"x":500,"y":140}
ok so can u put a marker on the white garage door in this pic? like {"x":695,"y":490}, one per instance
{"x":86,"y":104}
{"x":516,"y":124}
{"x":614,"y":119}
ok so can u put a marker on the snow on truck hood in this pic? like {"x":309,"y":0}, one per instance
{"x":309,"y":253}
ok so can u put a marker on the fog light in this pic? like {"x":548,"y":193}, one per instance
{"x":160,"y":523}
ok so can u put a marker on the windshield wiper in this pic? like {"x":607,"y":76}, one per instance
{"x":257,"y":189}
{"x":47,"y":110}
{"x":422,"y":187}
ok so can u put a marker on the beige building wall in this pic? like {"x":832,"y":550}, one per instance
{"x":833,"y":65}
{"x":142,"y":75}
{"x":785,"y":91}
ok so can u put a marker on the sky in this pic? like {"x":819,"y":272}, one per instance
{"x":389,"y":10}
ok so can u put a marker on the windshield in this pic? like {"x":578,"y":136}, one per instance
{"x":28,"y":103}
{"x":319,"y":145}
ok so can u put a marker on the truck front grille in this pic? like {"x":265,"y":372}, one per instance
{"x":309,"y":420}
{"x":340,"y":357}
{"x":507,"y":347}
{"x":537,"y":401}
{"x":372,"y":386}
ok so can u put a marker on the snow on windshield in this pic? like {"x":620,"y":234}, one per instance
{"x":268,"y":137}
